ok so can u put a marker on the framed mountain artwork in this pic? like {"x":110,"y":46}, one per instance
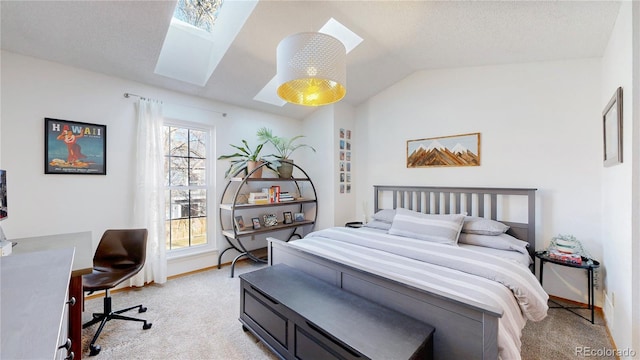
{"x":455,"y":150}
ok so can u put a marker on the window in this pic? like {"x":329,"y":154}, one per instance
{"x":197,"y":39}
{"x":199,"y":13}
{"x":185,"y":167}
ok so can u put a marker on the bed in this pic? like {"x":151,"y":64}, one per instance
{"x":478,"y":301}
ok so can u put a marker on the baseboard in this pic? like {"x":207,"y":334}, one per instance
{"x":576,"y":303}
{"x":613,"y":343}
{"x":191,"y":262}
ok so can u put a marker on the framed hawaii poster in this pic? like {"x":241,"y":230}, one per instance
{"x":72,"y":147}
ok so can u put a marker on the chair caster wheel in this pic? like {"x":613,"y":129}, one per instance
{"x":244,"y":328}
{"x":147,"y":326}
{"x":94,"y":350}
{"x":142,"y":309}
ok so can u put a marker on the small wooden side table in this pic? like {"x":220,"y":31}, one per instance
{"x":588,"y":264}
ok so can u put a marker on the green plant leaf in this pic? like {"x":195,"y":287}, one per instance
{"x":224,"y":157}
{"x":283,"y":146}
{"x":239,"y":159}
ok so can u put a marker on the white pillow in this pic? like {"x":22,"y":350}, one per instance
{"x":443,"y":229}
{"x":482,"y":226}
{"x":377,"y":224}
{"x":385,"y":215}
{"x":501,"y":242}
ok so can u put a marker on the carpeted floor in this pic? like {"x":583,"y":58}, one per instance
{"x":563,"y":335}
{"x":196,"y":317}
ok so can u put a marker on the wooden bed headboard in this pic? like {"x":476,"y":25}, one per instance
{"x":476,"y":201}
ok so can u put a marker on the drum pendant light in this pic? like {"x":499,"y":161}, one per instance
{"x":311,"y":69}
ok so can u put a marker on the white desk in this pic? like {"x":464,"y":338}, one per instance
{"x":33,"y":305}
{"x":82,"y":242}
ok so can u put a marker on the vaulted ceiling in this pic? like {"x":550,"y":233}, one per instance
{"x":124,"y":39}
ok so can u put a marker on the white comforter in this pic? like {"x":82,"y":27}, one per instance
{"x":449,"y":270}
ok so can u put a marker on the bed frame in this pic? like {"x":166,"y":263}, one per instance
{"x":464,"y":329}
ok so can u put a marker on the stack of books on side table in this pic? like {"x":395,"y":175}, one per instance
{"x":565,"y":257}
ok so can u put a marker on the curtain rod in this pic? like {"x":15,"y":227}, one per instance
{"x":128,"y":95}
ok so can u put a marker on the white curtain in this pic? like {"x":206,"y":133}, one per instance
{"x":148,"y":209}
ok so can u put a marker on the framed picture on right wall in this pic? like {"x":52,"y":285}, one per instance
{"x":612,"y":130}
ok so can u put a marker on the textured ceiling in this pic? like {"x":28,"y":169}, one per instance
{"x":124,"y":39}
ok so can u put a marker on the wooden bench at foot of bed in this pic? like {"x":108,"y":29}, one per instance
{"x":300,"y":317}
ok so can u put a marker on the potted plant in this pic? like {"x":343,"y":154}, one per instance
{"x":284,"y":148}
{"x":245,"y":160}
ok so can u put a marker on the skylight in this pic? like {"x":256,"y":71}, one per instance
{"x":199,"y":13}
{"x":193,"y":46}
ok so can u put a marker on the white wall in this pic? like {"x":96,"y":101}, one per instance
{"x":635,"y":246}
{"x":319,"y":127}
{"x":343,"y":210}
{"x":322,"y":128}
{"x":617,"y":190}
{"x":540,"y":128}
{"x":42,"y":204}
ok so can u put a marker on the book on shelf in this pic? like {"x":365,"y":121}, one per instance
{"x":285,"y":196}
{"x":258,"y":198}
{"x":259,"y":202}
{"x":274,"y":194}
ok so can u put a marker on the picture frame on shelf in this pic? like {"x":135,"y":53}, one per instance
{"x":270,"y":220}
{"x":256,"y":223}
{"x":612,"y":130}
{"x":239,"y":221}
{"x":288,"y":218}
{"x":298,"y":217}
